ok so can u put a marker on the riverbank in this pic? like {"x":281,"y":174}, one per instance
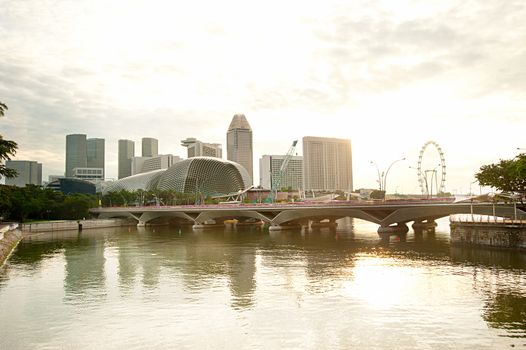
{"x":488,"y":231}
{"x":66,"y":225}
{"x":12,"y":234}
{"x":8,"y":241}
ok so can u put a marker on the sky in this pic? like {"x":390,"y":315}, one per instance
{"x":390,"y":75}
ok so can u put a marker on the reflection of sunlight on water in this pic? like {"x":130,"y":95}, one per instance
{"x":380,"y":282}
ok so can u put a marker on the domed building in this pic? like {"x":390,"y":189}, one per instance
{"x":144,"y":181}
{"x":206,"y":175}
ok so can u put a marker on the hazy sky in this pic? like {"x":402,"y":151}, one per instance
{"x":389,"y":75}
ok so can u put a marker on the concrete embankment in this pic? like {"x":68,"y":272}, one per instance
{"x":9,"y":238}
{"x":11,"y":235}
{"x":49,"y":226}
{"x":491,"y":233}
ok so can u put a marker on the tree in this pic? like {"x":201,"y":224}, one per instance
{"x":3,"y":108}
{"x":7,"y":150}
{"x":508,"y":175}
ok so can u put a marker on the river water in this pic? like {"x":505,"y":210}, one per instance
{"x":246,"y":288}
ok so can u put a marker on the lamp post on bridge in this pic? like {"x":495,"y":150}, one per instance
{"x":387,"y":172}
{"x":379,"y":177}
{"x":382,"y":177}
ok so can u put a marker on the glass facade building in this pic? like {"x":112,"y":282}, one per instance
{"x":150,"y":147}
{"x":126,"y":153}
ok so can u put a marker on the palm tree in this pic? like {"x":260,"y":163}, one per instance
{"x":7,"y":150}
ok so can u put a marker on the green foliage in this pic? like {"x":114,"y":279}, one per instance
{"x":507,"y":175}
{"x":3,"y":108}
{"x":377,"y":194}
{"x":7,"y":150}
{"x":37,"y":203}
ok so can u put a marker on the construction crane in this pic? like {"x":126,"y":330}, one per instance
{"x":281,"y":173}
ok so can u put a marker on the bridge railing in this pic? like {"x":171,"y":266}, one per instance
{"x":484,"y":219}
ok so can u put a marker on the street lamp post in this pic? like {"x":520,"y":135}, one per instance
{"x":387,"y":172}
{"x":378,"y":172}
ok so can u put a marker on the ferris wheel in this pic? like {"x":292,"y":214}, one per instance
{"x":426,"y":184}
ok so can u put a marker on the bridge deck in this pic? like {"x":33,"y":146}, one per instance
{"x":384,"y":213}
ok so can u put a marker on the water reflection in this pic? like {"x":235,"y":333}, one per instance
{"x":251,"y":271}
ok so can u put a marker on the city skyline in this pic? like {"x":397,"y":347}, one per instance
{"x":389,"y":76}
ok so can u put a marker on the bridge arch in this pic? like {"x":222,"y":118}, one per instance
{"x":212,"y":215}
{"x":293,"y":215}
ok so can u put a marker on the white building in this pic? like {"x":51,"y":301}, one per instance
{"x":88,"y":173}
{"x":197,"y":148}
{"x":29,"y":173}
{"x":327,"y":164}
{"x":141,"y":165}
{"x":269,"y":166}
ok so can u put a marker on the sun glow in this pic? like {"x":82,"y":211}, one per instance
{"x":381,"y":282}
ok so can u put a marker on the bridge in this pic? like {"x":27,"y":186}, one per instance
{"x":392,"y":217}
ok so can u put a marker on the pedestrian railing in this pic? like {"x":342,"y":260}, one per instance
{"x":484,"y":219}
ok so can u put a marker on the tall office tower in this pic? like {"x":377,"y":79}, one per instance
{"x":76,"y":156}
{"x":150,"y":147}
{"x":126,"y":153}
{"x":95,"y":154}
{"x":269,"y":167}
{"x":197,"y":148}
{"x":29,"y":173}
{"x":239,"y":143}
{"x":327,"y":164}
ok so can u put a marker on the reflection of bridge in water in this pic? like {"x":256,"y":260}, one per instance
{"x":392,"y":217}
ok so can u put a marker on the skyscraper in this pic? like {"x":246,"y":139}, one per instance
{"x":150,"y":147}
{"x":197,"y":148}
{"x":29,"y":173}
{"x":95,"y":154}
{"x":126,"y":153}
{"x":76,"y":153}
{"x":327,"y":164}
{"x":239,"y":143}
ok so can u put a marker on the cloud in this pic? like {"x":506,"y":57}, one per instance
{"x":333,"y":68}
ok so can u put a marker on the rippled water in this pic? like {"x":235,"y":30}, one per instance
{"x":170,"y":287}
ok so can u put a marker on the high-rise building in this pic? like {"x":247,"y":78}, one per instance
{"x":95,"y":155}
{"x":145,"y":164}
{"x":269,"y":166}
{"x":126,"y":153}
{"x":29,"y":173}
{"x":327,"y":164}
{"x":150,"y":147}
{"x":197,"y":148}
{"x":84,"y":153}
{"x":76,"y":153}
{"x":239,"y":143}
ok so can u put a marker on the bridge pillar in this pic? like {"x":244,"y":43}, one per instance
{"x":400,"y":229}
{"x":317,"y":224}
{"x":141,"y":223}
{"x":420,"y":226}
{"x":285,"y":226}
{"x":208,"y":224}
